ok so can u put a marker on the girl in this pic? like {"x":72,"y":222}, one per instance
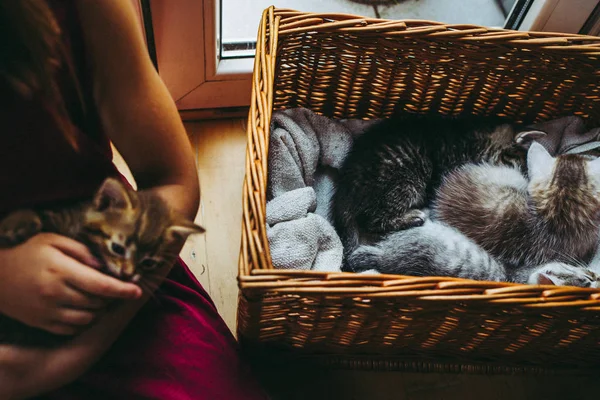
{"x":75,"y":75}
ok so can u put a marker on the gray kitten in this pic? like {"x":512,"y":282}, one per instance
{"x":435,"y":249}
{"x":393,"y":169}
{"x":552,"y":217}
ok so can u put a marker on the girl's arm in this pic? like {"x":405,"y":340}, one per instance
{"x":136,"y":109}
{"x":141,"y":119}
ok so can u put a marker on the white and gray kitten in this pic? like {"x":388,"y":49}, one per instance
{"x":552,"y":216}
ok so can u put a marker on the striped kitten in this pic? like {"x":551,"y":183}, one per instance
{"x":393,"y":169}
{"x":131,"y":233}
{"x":555,"y":216}
{"x":435,"y":249}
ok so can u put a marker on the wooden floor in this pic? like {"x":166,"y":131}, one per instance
{"x":220,"y":150}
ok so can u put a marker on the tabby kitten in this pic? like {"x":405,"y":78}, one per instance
{"x":555,"y":216}
{"x":131,"y":233}
{"x":436,"y":249}
{"x":394,"y":168}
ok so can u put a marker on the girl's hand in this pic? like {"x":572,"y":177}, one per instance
{"x":49,"y":282}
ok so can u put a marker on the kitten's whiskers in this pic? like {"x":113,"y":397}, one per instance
{"x":574,"y":261}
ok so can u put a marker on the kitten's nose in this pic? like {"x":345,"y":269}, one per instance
{"x":127,"y":271}
{"x":118,"y":249}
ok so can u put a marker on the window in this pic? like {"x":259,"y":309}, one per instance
{"x":205,"y":48}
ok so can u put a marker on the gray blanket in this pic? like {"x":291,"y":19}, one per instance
{"x":568,"y":135}
{"x":306,"y":151}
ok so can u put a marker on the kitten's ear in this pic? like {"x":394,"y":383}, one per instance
{"x":594,"y":168}
{"x":182,"y":230}
{"x":547,"y":279}
{"x":526,"y":138}
{"x":112,"y":194}
{"x":539,"y":162}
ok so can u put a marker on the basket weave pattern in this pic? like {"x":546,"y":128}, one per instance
{"x":345,"y":66}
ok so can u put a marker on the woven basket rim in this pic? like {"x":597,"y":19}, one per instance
{"x":294,"y":21}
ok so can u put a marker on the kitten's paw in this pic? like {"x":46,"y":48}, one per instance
{"x":411,"y":219}
{"x":19,"y":226}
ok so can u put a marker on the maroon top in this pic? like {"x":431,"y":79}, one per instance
{"x":39,"y":165}
{"x":177,"y":346}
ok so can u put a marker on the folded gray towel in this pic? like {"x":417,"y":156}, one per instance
{"x":306,"y":151}
{"x":300,"y":239}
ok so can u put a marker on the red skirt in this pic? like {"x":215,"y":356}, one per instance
{"x":176,"y":348}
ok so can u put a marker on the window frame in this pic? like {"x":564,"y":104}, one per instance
{"x":568,"y":16}
{"x":187,"y":57}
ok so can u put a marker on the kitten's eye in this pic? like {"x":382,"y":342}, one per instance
{"x":98,"y":231}
{"x":117,"y":249}
{"x":148,"y":264}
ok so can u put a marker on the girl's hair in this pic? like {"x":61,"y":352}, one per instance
{"x":31,"y":52}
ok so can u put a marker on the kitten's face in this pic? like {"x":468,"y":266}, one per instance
{"x":133,"y":233}
{"x":561,"y":274}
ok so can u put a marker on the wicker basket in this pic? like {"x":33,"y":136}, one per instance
{"x":345,"y":66}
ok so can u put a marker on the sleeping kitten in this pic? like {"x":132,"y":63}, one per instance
{"x":131,"y":233}
{"x":554,"y":216}
{"x":393,"y":169}
{"x":435,"y":249}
